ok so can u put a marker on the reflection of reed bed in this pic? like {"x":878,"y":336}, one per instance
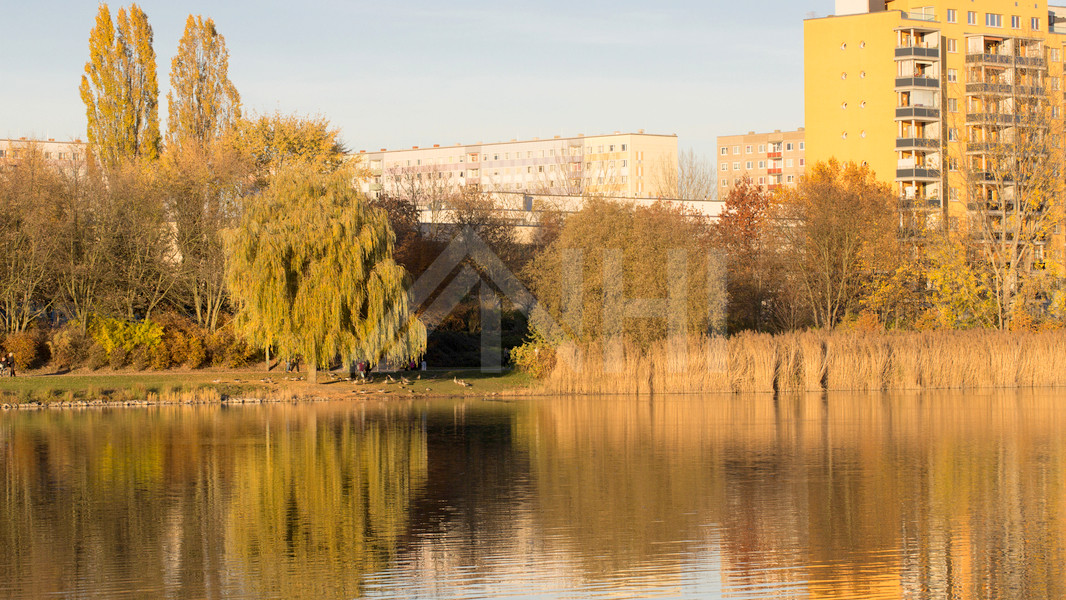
{"x":815,"y":361}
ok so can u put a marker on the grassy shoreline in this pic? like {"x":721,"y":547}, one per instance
{"x":87,"y":388}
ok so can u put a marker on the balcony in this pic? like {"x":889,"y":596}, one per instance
{"x":919,"y":113}
{"x":917,"y":52}
{"x":993,"y":118}
{"x":920,"y":203}
{"x":773,"y":171}
{"x":1004,"y":89}
{"x":773,"y":154}
{"x":916,"y":143}
{"x":918,"y":82}
{"x":990,"y":59}
{"x":918,"y":174}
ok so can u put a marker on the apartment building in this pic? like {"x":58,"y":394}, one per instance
{"x":771,"y":160}
{"x":620,"y":165}
{"x":70,"y":152}
{"x":924,"y":91}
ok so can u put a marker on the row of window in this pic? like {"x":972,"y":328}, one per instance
{"x":761,"y":181}
{"x":789,"y":147}
{"x":749,"y":165}
{"x":992,"y":19}
{"x":475,"y":157}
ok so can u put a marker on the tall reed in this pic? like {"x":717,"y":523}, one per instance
{"x":813,"y":361}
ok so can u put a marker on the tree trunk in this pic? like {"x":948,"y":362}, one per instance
{"x":312,"y":371}
{"x":268,"y":358}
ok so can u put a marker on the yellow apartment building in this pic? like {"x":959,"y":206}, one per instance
{"x":916,"y":88}
{"x":70,"y":152}
{"x":770,"y":160}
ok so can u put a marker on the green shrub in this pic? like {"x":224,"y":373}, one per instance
{"x":196,"y":354}
{"x":27,"y":346}
{"x":141,"y":357}
{"x":159,"y":357}
{"x":69,"y":346}
{"x":112,"y":333}
{"x":97,"y":357}
{"x":535,"y":357}
{"x":118,"y":357}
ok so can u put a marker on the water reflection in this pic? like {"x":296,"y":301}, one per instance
{"x":903,"y":496}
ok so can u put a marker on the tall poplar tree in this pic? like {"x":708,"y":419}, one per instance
{"x":311,"y":271}
{"x":120,"y":89}
{"x":202,"y":103}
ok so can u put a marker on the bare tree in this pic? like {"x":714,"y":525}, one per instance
{"x":692,"y":178}
{"x":1012,"y":170}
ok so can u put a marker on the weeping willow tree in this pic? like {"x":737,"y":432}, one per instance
{"x":311,"y":271}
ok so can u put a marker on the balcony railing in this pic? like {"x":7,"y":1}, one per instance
{"x":773,"y":154}
{"x":917,"y":173}
{"x":917,"y":142}
{"x":917,"y":112}
{"x":920,"y":16}
{"x":918,"y":81}
{"x":1006,"y":60}
{"x":920,"y":203}
{"x":1004,"y":89}
{"x":773,"y":171}
{"x":917,"y":52}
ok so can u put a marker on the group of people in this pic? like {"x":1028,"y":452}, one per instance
{"x":7,"y":365}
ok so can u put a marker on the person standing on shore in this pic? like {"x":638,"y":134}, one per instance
{"x":10,"y":363}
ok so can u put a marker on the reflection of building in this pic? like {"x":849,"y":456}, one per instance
{"x":770,"y":160}
{"x":925,"y":91}
{"x":627,"y":165}
{"x":64,"y":152}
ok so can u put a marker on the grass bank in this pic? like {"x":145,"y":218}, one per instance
{"x":815,"y":361}
{"x":199,"y":387}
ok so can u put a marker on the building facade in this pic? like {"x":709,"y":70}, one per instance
{"x":926,"y":92}
{"x":71,"y":152}
{"x":770,"y":160}
{"x":620,"y":165}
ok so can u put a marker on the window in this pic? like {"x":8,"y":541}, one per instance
{"x":971,"y":18}
{"x":762,"y":148}
{"x":802,"y":144}
{"x":953,"y":194}
{"x":788,"y":163}
{"x":803,"y":162}
{"x":748,"y":165}
{"x":790,"y":179}
{"x":953,"y":105}
{"x":953,"y":134}
{"x":3,"y":153}
{"x":1015,"y":22}
{"x":993,"y":20}
{"x":736,"y":166}
{"x":625,"y":162}
{"x":952,"y":15}
{"x":953,"y":75}
{"x":1035,"y":24}
{"x":725,"y":151}
{"x":1054,"y":82}
{"x":725,"y":166}
{"x":789,"y":146}
{"x":1053,"y":54}
{"x":762,"y":181}
{"x":624,"y":146}
{"x":953,"y":45}
{"x":747,"y":149}
{"x":725,"y":183}
{"x":762,"y":164}
{"x":736,"y":149}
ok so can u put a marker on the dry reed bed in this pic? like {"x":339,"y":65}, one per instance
{"x":815,"y":361}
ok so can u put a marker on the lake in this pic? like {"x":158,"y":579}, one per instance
{"x":844,"y":496}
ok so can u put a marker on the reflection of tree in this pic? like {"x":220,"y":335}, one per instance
{"x":204,"y":502}
{"x":324,"y":501}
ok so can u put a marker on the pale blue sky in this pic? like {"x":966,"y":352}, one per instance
{"x":397,"y":74}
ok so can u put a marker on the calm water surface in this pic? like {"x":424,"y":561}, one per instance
{"x":899,"y":496}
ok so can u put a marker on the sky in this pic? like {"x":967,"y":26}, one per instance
{"x":396,"y":74}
